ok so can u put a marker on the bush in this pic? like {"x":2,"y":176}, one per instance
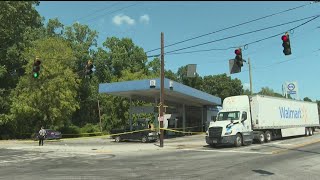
{"x":70,"y":131}
{"x":90,"y":128}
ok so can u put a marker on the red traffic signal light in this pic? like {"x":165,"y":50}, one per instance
{"x":238,"y":58}
{"x":286,"y":44}
{"x":237,"y":51}
{"x":284,"y":38}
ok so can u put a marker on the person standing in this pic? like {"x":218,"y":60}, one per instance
{"x":42,"y":135}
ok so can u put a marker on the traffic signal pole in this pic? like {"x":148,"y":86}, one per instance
{"x":162,"y":91}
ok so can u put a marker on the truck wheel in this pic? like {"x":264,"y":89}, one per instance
{"x":307,"y":132}
{"x":238,"y":140}
{"x":144,"y":139}
{"x":310,"y":132}
{"x":213,"y":145}
{"x":117,"y":139}
{"x":268,"y":136}
{"x":261,"y":137}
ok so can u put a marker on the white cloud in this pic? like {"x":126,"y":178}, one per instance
{"x":246,"y":86}
{"x":145,"y":18}
{"x":122,"y":19}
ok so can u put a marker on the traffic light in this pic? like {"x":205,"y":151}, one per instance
{"x":286,"y":44}
{"x":238,"y":58}
{"x":89,"y":66}
{"x":36,"y":68}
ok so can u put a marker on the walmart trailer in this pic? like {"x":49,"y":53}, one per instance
{"x":262,"y":118}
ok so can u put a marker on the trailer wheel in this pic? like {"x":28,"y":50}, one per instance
{"x":261,"y":138}
{"x":117,"y":139}
{"x":268,"y":136}
{"x":238,"y":140}
{"x":310,"y":132}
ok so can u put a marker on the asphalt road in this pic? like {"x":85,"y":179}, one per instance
{"x":192,"y":162}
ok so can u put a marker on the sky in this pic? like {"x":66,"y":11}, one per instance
{"x":143,"y":22}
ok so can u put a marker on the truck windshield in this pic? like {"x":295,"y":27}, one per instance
{"x":232,"y":115}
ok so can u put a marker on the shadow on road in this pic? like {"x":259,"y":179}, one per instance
{"x":263,"y":172}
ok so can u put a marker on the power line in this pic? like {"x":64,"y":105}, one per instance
{"x":209,"y":42}
{"x":112,"y":12}
{"x":96,"y":11}
{"x":230,"y":27}
{"x":206,"y":50}
{"x":280,"y":62}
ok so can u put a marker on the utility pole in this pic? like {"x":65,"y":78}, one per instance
{"x":250,"y":76}
{"x":162,"y":91}
{"x":99,"y":116}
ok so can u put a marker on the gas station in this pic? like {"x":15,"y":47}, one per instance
{"x":186,"y":108}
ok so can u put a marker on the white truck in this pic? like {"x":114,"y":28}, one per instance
{"x":244,"y":119}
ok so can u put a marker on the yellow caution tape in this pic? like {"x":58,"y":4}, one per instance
{"x":183,"y":131}
{"x":130,"y":132}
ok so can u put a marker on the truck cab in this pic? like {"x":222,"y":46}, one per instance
{"x":233,"y":123}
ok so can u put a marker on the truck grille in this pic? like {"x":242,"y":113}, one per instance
{"x":215,"y":131}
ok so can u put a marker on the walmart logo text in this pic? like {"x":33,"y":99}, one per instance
{"x":288,"y":113}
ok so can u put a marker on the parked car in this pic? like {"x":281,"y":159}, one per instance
{"x":135,"y":134}
{"x":51,"y":134}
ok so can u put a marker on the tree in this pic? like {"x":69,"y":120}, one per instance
{"x":20,"y":23}
{"x":307,"y":99}
{"x":194,"y":82}
{"x":269,"y":92}
{"x":51,"y":99}
{"x":222,"y":85}
{"x":124,"y":54}
{"x":53,"y":26}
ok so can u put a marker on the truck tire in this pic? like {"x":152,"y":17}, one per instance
{"x":261,"y":138}
{"x":144,"y":139}
{"x":117,"y":139}
{"x":238,"y":140}
{"x":213,"y":145}
{"x":310,"y":131}
{"x":267,"y":136}
{"x":307,"y":132}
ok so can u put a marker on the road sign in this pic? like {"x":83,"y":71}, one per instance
{"x":292,"y":88}
{"x":233,"y":67}
{"x":191,"y":70}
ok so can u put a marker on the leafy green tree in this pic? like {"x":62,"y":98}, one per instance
{"x":222,"y":85}
{"x":53,"y":26}
{"x":246,"y":92}
{"x":154,"y":67}
{"x":307,"y":99}
{"x":82,"y":40}
{"x":170,"y":75}
{"x":51,"y":98}
{"x":194,"y":82}
{"x":269,"y":92}
{"x":125,"y":54}
{"x":20,"y":23}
